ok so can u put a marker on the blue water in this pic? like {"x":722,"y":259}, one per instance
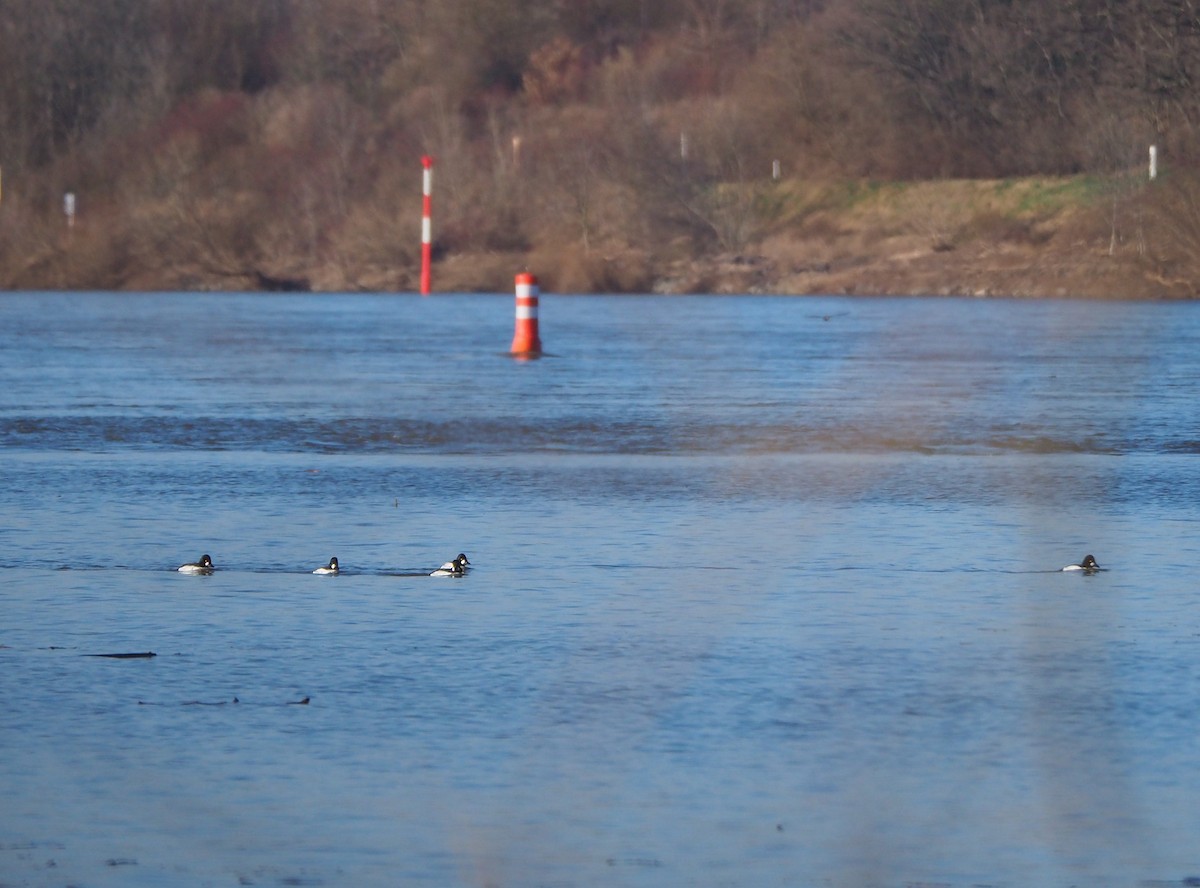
{"x":765,"y":591}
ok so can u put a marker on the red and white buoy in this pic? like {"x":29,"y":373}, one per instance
{"x":525,"y":339}
{"x":426,"y":224}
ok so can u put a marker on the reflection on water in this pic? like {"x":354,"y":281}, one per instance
{"x":757,"y":597}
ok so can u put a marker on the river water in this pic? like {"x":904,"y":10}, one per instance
{"x":764,"y":591}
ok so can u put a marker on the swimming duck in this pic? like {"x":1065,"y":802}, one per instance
{"x":203,"y":566}
{"x":329,"y":569}
{"x":455,"y":568}
{"x":1088,"y":565}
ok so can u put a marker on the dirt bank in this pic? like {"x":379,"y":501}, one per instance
{"x":1059,"y":238}
{"x":1062,"y":238}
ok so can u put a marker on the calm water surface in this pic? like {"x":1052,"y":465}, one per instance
{"x":765,"y":592}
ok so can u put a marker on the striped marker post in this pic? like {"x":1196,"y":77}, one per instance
{"x":426,"y":224}
{"x":525,"y":339}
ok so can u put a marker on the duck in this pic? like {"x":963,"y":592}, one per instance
{"x":1087,"y":565}
{"x":329,"y":570}
{"x":203,"y":566}
{"x":455,"y":568}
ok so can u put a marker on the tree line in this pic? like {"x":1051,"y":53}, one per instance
{"x":241,"y":128}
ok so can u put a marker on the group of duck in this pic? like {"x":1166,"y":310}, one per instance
{"x":456,"y":567}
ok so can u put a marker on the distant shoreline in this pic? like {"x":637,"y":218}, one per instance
{"x":1038,"y":237}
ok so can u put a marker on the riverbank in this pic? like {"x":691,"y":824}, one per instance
{"x":1074,"y":237}
{"x":1035,"y":238}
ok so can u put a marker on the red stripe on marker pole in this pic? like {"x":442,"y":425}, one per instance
{"x":525,"y":339}
{"x":426,"y":224}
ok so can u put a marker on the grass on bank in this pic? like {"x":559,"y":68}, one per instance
{"x":789,"y":236}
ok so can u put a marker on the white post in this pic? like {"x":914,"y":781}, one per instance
{"x":426,"y":224}
{"x":683,"y":146}
{"x":69,"y":208}
{"x":1153,"y":161}
{"x":775,"y":170}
